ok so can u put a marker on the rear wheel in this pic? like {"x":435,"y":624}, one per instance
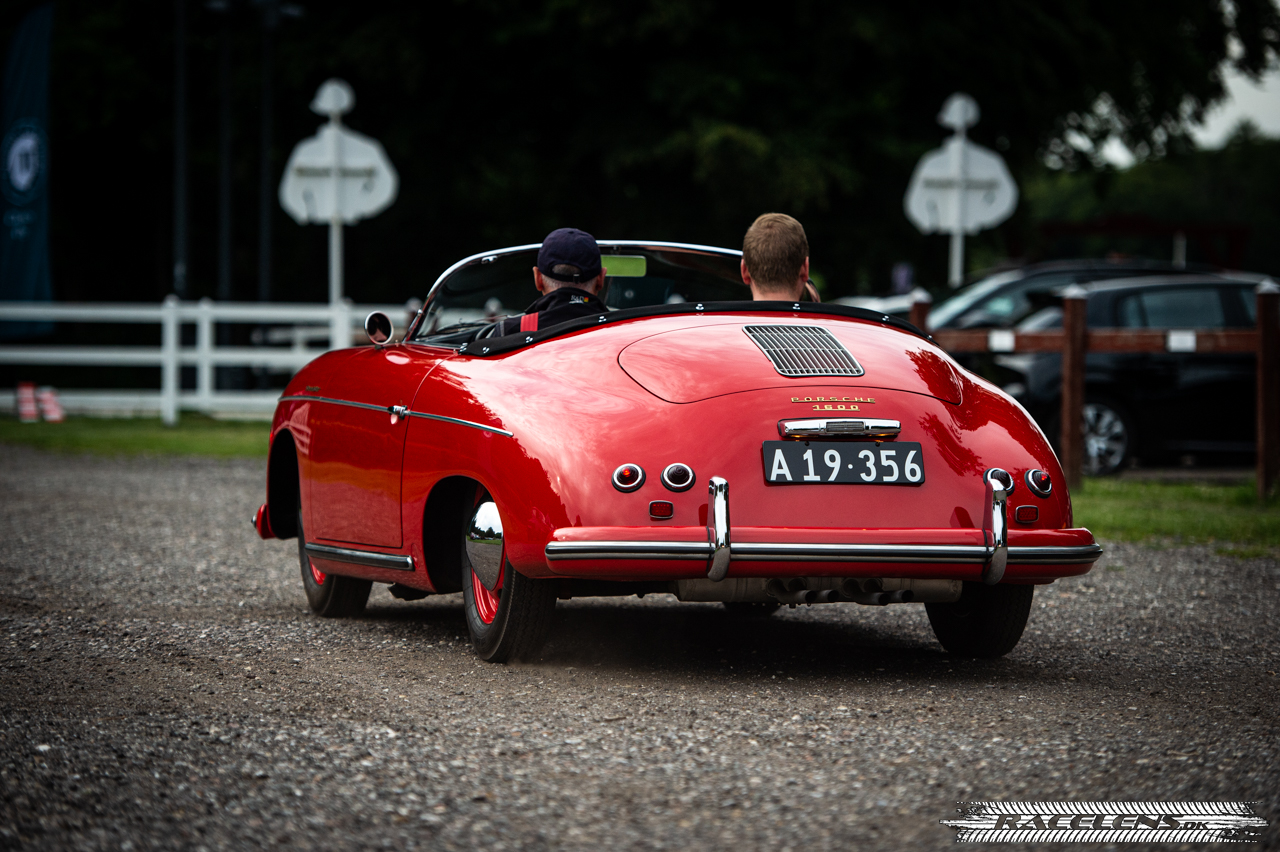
{"x":512,"y":621}
{"x":986,"y":622}
{"x":329,"y":595}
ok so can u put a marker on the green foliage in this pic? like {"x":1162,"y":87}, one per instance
{"x":195,"y":435}
{"x":660,"y":119}
{"x":1233,"y":186}
{"x":1126,"y":510}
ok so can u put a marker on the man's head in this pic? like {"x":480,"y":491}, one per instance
{"x":775,"y":257}
{"x":569,"y":258}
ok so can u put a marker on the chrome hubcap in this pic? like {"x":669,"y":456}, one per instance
{"x":1105,"y":439}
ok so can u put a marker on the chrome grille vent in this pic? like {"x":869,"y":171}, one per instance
{"x":803,"y":350}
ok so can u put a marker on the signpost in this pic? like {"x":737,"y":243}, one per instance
{"x":337,"y":176}
{"x":961,"y":187}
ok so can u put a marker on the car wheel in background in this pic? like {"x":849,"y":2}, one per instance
{"x":1106,"y":436}
{"x":986,"y":622}
{"x":330,"y":595}
{"x":740,"y":609}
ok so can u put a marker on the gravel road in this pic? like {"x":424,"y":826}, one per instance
{"x":163,"y":686}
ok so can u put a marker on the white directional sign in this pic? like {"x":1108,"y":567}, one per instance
{"x":337,"y":176}
{"x":960,"y":188}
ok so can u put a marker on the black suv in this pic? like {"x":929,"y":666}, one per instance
{"x":1151,"y":406}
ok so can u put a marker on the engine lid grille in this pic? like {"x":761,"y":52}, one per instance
{"x":804,"y":350}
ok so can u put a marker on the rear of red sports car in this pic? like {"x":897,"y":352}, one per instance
{"x":755,"y":454}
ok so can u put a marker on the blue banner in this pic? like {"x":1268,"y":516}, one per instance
{"x":24,"y":171}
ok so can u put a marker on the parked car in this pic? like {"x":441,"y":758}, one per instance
{"x":1003,"y":299}
{"x":1152,"y":406}
{"x":750,"y":453}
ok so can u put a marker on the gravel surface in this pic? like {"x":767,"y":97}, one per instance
{"x":164,"y":686}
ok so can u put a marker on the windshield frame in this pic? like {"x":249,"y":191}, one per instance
{"x":488,"y":256}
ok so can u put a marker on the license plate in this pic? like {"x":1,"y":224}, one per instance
{"x":822,"y":462}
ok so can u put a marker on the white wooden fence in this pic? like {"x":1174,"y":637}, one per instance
{"x":306,"y":324}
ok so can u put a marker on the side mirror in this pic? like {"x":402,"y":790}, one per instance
{"x":378,"y":326}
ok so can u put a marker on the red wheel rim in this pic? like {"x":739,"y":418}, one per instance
{"x":486,"y":601}
{"x":316,"y":573}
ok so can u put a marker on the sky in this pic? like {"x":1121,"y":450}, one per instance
{"x":1259,"y":102}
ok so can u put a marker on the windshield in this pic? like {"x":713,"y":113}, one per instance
{"x":487,"y":287}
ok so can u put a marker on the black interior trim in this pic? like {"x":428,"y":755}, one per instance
{"x":512,"y":342}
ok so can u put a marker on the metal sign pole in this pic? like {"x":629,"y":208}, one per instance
{"x":335,"y":217}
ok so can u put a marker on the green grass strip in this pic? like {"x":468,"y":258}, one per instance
{"x":1201,"y":513}
{"x":195,"y":435}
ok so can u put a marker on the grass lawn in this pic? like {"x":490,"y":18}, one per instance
{"x":195,"y":435}
{"x":1229,"y":515}
{"x":1114,"y":509}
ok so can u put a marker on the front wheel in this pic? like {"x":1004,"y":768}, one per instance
{"x":986,"y":622}
{"x":329,"y":595}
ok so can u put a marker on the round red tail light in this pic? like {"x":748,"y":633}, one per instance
{"x":1040,"y":483}
{"x":628,"y":477}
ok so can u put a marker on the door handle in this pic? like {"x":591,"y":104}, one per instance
{"x":397,"y":411}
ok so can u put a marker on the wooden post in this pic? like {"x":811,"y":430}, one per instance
{"x":1073,"y":349}
{"x":1268,"y":388}
{"x":920,"y":306}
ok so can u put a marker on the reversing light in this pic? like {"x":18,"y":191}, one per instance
{"x":678,"y":477}
{"x":661,"y":510}
{"x":1040,"y":483}
{"x":628,"y":477}
{"x":1002,"y":477}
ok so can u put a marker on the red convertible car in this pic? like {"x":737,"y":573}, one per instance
{"x":751,"y":453}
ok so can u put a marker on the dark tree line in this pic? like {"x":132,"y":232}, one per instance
{"x":663,"y":119}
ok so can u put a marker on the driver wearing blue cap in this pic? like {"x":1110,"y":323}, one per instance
{"x":569,"y":276}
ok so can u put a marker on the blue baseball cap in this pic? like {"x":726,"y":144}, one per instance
{"x":572,"y":247}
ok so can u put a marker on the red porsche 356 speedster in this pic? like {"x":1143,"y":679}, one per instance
{"x":752,"y":453}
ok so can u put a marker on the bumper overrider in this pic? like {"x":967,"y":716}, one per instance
{"x":990,"y":554}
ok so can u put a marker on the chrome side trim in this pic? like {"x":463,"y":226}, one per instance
{"x":843,"y":427}
{"x":457,"y":422}
{"x":365,"y":405}
{"x":718,"y":528}
{"x":361,"y":557}
{"x":400,"y":411}
{"x":693,"y":551}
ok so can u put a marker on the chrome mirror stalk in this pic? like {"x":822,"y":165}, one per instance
{"x":718,"y":528}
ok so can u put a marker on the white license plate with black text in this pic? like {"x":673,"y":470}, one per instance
{"x":818,"y":462}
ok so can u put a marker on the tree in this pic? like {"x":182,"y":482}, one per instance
{"x":664,"y":119}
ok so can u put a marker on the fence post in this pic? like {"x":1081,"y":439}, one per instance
{"x":339,"y":325}
{"x":1268,"y":387}
{"x":204,"y":354}
{"x":170,"y":370}
{"x":1073,"y":350}
{"x":920,"y":304}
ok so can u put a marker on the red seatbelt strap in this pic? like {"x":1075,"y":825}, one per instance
{"x":529,"y":322}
